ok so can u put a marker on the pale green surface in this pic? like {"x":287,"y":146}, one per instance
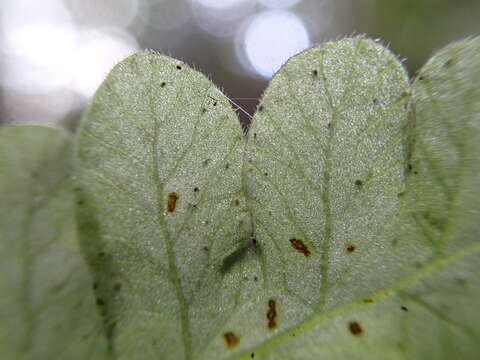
{"x":334,"y":159}
{"x":138,"y":143}
{"x":47,"y":307}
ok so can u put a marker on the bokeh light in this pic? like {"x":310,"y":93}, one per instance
{"x":270,"y":38}
{"x":279,"y":3}
{"x":221,"y":18}
{"x":97,"y":52}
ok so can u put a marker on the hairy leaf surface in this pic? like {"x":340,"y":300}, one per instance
{"x":345,"y":227}
{"x":164,"y":221}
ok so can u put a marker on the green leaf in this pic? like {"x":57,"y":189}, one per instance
{"x":47,"y":308}
{"x":392,"y":242}
{"x":163,"y":220}
{"x":345,"y":230}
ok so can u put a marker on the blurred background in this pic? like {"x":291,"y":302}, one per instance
{"x":55,"y":53}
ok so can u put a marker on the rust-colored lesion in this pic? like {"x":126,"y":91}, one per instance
{"x":355,"y":328}
{"x":231,"y":339}
{"x":272,"y":314}
{"x":300,"y":246}
{"x":172,"y":202}
{"x":350,"y":248}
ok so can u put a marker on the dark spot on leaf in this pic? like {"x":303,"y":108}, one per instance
{"x":367,"y":301}
{"x":395,"y":242}
{"x":375,"y":101}
{"x":421,"y":78}
{"x":253,"y":240}
{"x":409,"y":167}
{"x":101,"y":254}
{"x":172,"y":201}
{"x":449,"y":62}
{"x":237,"y":202}
{"x":252,"y":355}
{"x":205,"y":248}
{"x":461,"y":281}
{"x":100,"y":302}
{"x":272,"y":314}
{"x":400,"y":194}
{"x":404,"y":308}
{"x":163,"y":84}
{"x":358,"y":183}
{"x":227,"y":165}
{"x":300,"y":246}
{"x":206,"y":162}
{"x":255,"y":278}
{"x":231,"y":339}
{"x":355,"y":328}
{"x":254,"y":135}
{"x":196,"y":189}
{"x":350,"y":248}
{"x":179,"y":67}
{"x":329,"y":125}
{"x":204,"y":110}
{"x":117,"y":286}
{"x":77,"y":189}
{"x":315,"y":72}
{"x":260,"y":108}
{"x":265,"y":173}
{"x":415,"y":172}
{"x":95,"y":286}
{"x":214,"y":103}
{"x":80,"y":202}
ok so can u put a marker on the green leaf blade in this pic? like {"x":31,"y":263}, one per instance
{"x":423,"y":307}
{"x":159,"y":157}
{"x":331,"y":139}
{"x":47,"y":305}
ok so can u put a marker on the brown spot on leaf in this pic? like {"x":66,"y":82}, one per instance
{"x":300,"y":246}
{"x":367,"y":301}
{"x":237,"y":202}
{"x":358,"y":183}
{"x":179,"y":67}
{"x":172,"y":201}
{"x":231,"y":339}
{"x":355,"y":328}
{"x":315,"y":72}
{"x":272,"y":314}
{"x":404,"y":308}
{"x":351,"y":248}
{"x":163,"y":84}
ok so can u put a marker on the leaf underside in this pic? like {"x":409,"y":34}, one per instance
{"x":343,"y":226}
{"x":47,"y":308}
